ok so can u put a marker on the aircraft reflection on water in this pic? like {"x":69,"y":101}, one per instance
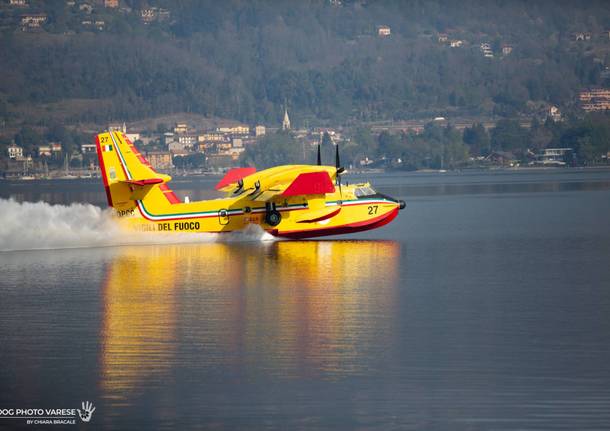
{"x":287,"y":308}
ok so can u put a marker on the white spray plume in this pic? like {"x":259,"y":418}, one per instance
{"x":42,"y":226}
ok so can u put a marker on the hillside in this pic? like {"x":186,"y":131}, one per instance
{"x":325,"y":59}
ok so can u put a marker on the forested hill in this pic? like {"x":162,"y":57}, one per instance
{"x":326,"y":59}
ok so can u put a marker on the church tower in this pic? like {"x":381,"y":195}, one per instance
{"x":286,"y":122}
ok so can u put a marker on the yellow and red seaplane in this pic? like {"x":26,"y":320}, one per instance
{"x":292,"y":201}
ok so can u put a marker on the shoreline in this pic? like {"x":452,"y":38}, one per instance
{"x":349,"y":172}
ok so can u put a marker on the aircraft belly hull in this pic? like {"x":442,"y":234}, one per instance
{"x":340,"y":229}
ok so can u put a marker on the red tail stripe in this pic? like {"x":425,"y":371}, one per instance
{"x":169,"y":194}
{"x":103,"y":169}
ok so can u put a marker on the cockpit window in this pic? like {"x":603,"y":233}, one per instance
{"x":364,"y":191}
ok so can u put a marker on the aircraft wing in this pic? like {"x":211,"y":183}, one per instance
{"x":281,"y":181}
{"x":305,"y":183}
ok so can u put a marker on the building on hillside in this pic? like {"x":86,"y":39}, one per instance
{"x":486,"y":50}
{"x":148,"y":15}
{"x":554,"y":113}
{"x":55,"y":148}
{"x":18,"y":3}
{"x":44,"y":151}
{"x":503,"y":158}
{"x":85,"y":7}
{"x":163,"y":14}
{"x":111,"y":3}
{"x":88,"y":148}
{"x":160,"y":159}
{"x":32,"y":21}
{"x":241,"y":130}
{"x":233,"y":153}
{"x":176,"y":147}
{"x":456,"y":43}
{"x":187,"y":140}
{"x":234,"y":130}
{"x":507,"y":49}
{"x":286,"y":121}
{"x":15,"y":152}
{"x":443,"y":38}
{"x":555,"y":157}
{"x":211,"y":136}
{"x":117,"y":127}
{"x":167,"y":138}
{"x":259,"y":131}
{"x":581,"y":36}
{"x":383,"y":31}
{"x":181,"y":128}
{"x":132,"y":137}
{"x":595,"y":99}
{"x":237,"y":143}
{"x":151,"y":14}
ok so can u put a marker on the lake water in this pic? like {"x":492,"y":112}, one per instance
{"x":485,"y":305}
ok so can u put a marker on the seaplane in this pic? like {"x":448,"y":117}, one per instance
{"x":289,"y":201}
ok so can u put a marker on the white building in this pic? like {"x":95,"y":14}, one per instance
{"x":187,"y":140}
{"x":117,"y":127}
{"x":181,"y":128}
{"x":44,"y":150}
{"x":259,"y":130}
{"x":176,"y":147}
{"x":88,"y":148}
{"x":15,"y":151}
{"x":383,"y":31}
{"x":133,"y":136}
{"x":286,"y":122}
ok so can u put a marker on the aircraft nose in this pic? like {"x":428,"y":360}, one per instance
{"x":402,"y":203}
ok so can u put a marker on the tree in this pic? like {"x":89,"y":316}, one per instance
{"x":455,"y":151}
{"x":274,"y":149}
{"x":539,"y":136}
{"x":389,"y":145}
{"x":477,"y":139}
{"x":508,"y":135}
{"x":28,"y":138}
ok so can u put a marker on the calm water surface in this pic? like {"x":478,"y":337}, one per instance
{"x":485,"y":305}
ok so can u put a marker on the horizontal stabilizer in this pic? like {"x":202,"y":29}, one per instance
{"x":233,"y":176}
{"x":310,"y":183}
{"x":146,"y":182}
{"x":318,"y":215}
{"x":140,"y":188}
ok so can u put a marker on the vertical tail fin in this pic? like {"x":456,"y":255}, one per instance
{"x":126,"y":174}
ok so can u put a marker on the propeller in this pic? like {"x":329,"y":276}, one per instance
{"x":339,"y":170}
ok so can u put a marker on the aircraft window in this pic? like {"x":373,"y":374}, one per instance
{"x":364,"y":191}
